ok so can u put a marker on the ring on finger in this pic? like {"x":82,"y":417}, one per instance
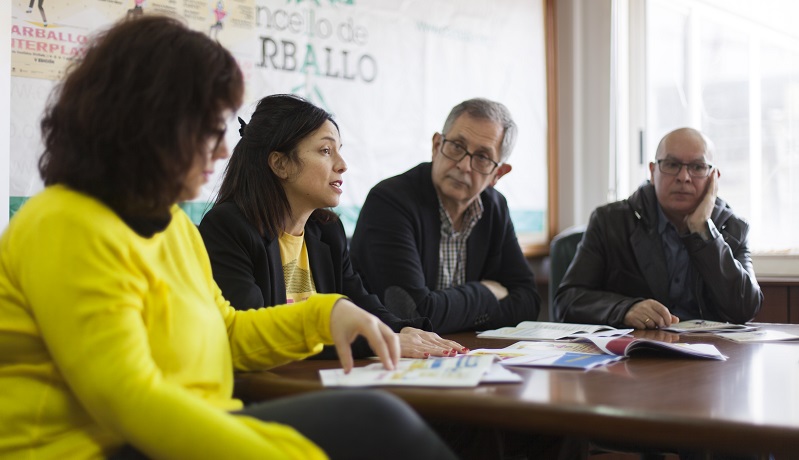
{"x":647,"y":320}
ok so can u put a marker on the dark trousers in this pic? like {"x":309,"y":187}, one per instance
{"x":480,"y":443}
{"x":348,"y":424}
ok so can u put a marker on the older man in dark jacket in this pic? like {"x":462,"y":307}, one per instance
{"x":437,"y":241}
{"x":672,"y":251}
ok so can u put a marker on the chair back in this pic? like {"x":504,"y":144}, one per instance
{"x":561,"y":252}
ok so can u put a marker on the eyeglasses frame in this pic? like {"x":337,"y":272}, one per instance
{"x":471,"y":156}
{"x":660,"y":168}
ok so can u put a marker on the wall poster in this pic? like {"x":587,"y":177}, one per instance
{"x":389,"y":71}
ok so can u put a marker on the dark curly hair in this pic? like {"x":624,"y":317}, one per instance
{"x":127,"y":122}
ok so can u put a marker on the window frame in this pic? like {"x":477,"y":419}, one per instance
{"x":636,"y":131}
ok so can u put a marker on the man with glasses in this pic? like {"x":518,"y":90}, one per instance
{"x":671,"y":251}
{"x":437,"y":241}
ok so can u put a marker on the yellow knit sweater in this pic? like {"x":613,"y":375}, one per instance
{"x":108,"y":338}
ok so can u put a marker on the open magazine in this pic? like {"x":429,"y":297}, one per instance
{"x":631,"y":346}
{"x":541,"y":330}
{"x":594,"y":351}
{"x":702,"y":325}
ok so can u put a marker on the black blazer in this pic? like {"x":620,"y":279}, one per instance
{"x":395,"y":248}
{"x":248,"y":269}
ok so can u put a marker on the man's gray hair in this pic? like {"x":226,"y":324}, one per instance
{"x":485,"y":109}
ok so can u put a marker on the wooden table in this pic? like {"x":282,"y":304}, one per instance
{"x":749,"y":403}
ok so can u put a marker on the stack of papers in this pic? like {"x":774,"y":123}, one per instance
{"x":541,"y":330}
{"x":585,"y":348}
{"x":765,"y":335}
{"x":459,"y":371}
{"x":701,"y":325}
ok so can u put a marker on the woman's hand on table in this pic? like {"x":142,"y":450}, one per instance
{"x":416,"y":343}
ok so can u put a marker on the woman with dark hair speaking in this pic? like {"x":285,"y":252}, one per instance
{"x":270,"y":237}
{"x":115,"y":342}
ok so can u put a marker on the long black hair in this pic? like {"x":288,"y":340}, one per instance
{"x":280,"y":122}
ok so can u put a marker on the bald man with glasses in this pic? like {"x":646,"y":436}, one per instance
{"x":671,"y":251}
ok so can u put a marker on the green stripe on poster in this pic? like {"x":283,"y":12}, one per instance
{"x":14,"y":203}
{"x":524,"y":220}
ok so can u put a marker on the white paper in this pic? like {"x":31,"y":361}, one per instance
{"x":459,"y":371}
{"x":759,"y":336}
{"x":541,"y":330}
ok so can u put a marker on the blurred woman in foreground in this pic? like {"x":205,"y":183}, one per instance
{"x":114,"y":339}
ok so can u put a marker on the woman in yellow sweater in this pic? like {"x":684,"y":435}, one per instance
{"x":114,"y":339}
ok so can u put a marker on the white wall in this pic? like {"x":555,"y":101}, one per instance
{"x":584,"y":124}
{"x":463,"y":38}
{"x":5,"y":111}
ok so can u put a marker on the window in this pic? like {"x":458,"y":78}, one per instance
{"x":731,"y":69}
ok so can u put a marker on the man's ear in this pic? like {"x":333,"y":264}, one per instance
{"x":501,"y":171}
{"x":652,"y":172}
{"x":278,"y":162}
{"x":437,"y":140}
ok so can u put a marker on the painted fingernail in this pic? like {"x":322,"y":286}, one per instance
{"x":464,"y":349}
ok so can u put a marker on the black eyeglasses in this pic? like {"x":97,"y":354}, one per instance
{"x":672,"y":168}
{"x":455,"y":152}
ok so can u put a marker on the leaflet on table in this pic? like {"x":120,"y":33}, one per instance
{"x":459,"y":371}
{"x":765,"y":335}
{"x":540,"y":330}
{"x":701,"y":325}
{"x":525,"y":347}
{"x":572,"y":355}
{"x":567,"y":359}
